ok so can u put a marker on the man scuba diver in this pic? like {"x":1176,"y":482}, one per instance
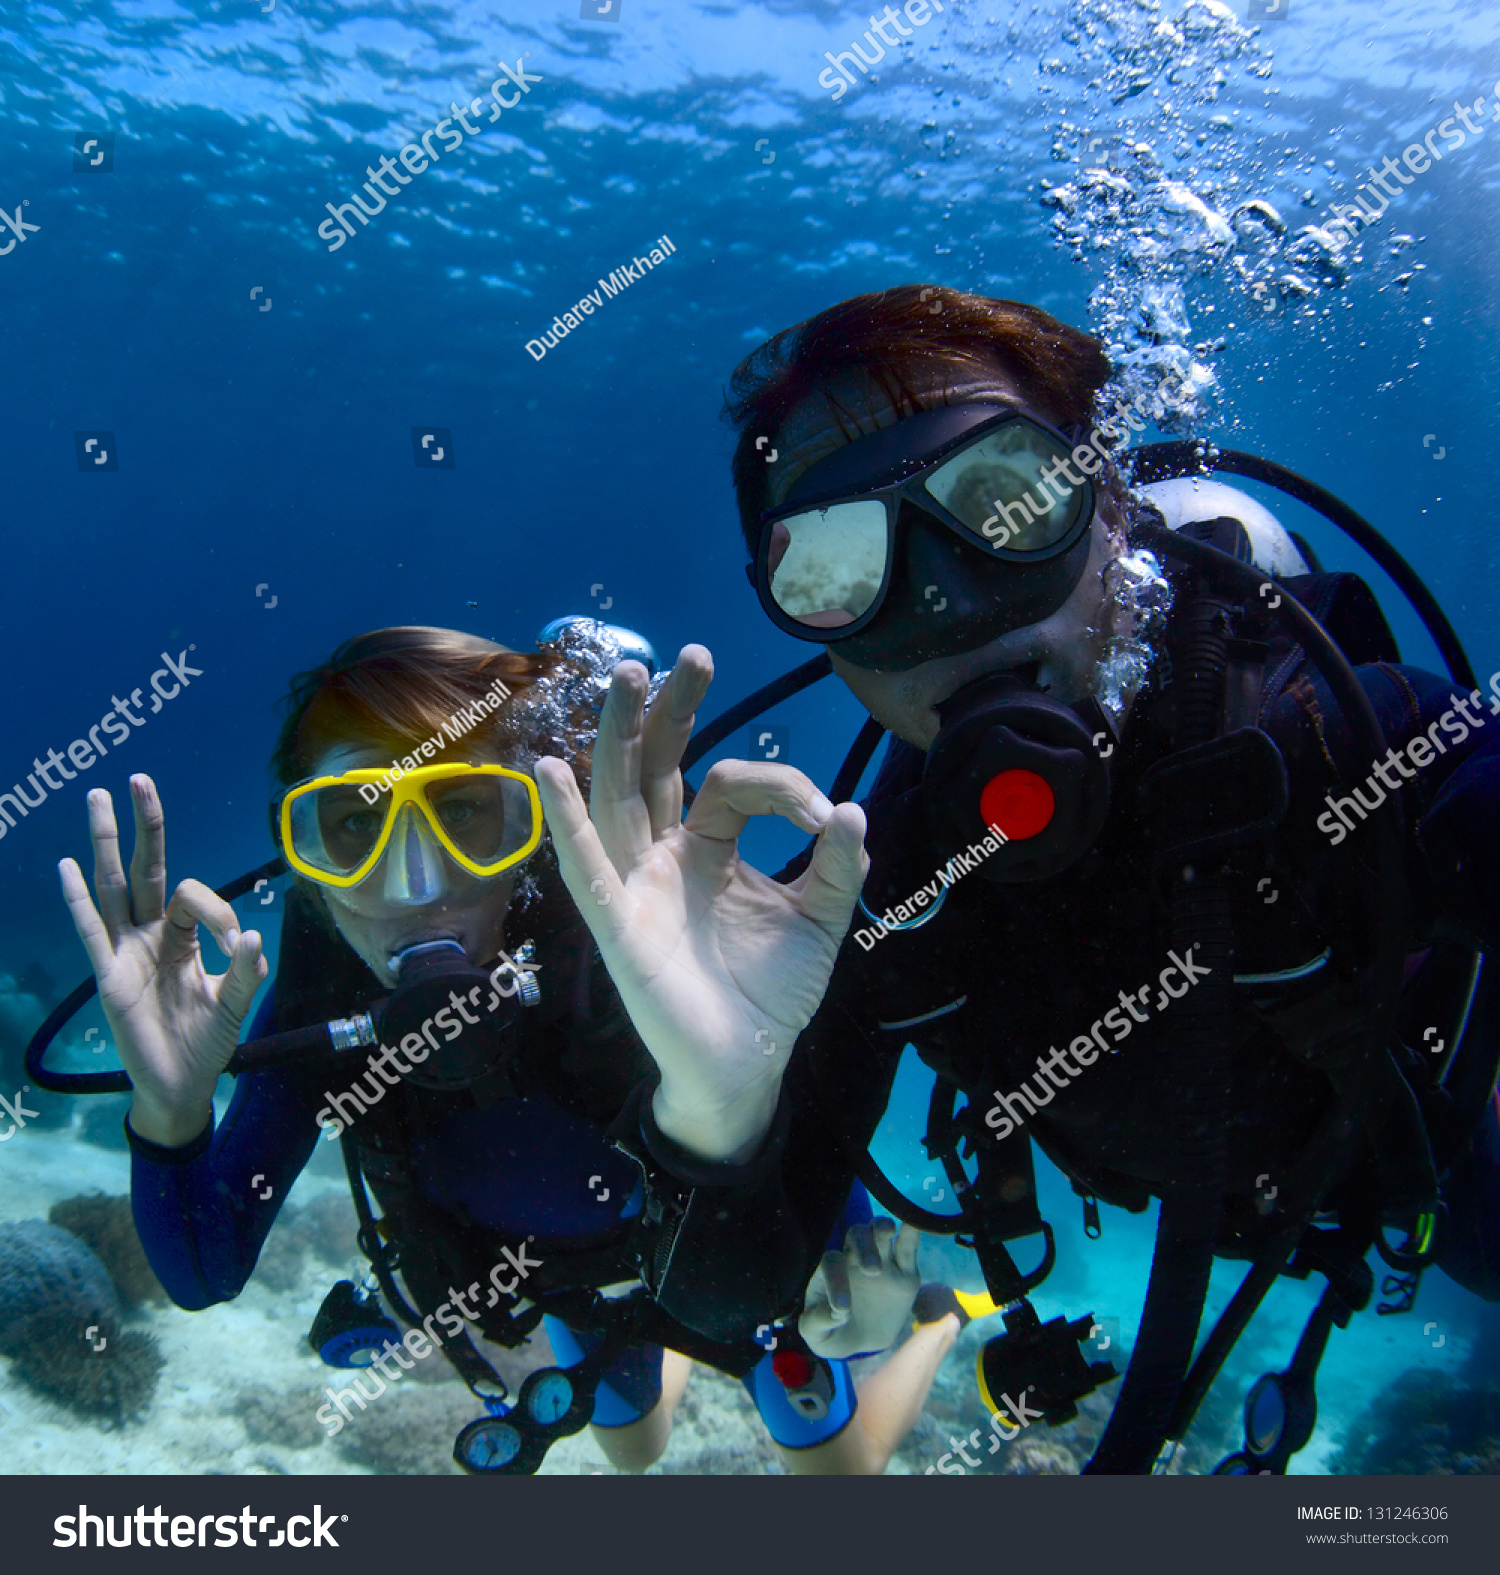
{"x":481,"y":1125}
{"x":1121,"y":752}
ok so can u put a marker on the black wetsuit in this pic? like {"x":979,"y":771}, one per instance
{"x":1002,"y":974}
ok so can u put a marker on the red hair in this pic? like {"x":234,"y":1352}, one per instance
{"x":891,"y":336}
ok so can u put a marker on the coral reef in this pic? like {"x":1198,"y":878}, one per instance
{"x":60,"y":1323}
{"x":107,"y":1226}
{"x":327,"y":1227}
{"x":716,"y":1432}
{"x":279,"y":1266}
{"x":409,"y":1431}
{"x":44,"y":1268}
{"x":324,"y":1228}
{"x":112,"y":1375}
{"x":1425,"y":1423}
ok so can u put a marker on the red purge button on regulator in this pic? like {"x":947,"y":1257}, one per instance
{"x":792,"y":1368}
{"x":1019,"y":803}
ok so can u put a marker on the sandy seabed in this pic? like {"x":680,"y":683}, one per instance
{"x":241,"y":1387}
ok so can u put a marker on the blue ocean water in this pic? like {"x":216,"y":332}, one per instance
{"x":167,"y":293}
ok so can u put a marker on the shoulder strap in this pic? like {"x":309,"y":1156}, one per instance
{"x":1348,"y":610}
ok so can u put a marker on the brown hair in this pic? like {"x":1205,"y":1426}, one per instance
{"x":395,"y":687}
{"x":889,"y":336}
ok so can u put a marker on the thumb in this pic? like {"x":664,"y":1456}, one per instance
{"x":819,"y":1326}
{"x":237,"y":987}
{"x":818,"y":1319}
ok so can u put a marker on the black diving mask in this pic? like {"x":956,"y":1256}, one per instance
{"x":930,"y":537}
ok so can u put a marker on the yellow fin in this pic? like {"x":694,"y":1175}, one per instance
{"x":976,"y":1303}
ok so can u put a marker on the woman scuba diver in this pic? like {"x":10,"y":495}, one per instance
{"x":486,"y":1149}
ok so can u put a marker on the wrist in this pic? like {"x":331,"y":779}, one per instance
{"x":169,"y":1126}
{"x":729,"y":1134}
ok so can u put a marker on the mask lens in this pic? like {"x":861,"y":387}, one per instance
{"x":995,"y":489}
{"x":334,"y":828}
{"x":487,"y":818}
{"x":826,"y":566}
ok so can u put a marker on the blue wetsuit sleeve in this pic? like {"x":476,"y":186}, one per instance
{"x":200,"y":1219}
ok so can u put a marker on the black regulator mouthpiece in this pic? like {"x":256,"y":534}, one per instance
{"x":1008,"y":757}
{"x":464,"y":1022}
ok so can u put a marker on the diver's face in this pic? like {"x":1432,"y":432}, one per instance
{"x":416,"y":893}
{"x":1065,"y":646}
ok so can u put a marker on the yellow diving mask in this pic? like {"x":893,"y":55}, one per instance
{"x":334,"y":829}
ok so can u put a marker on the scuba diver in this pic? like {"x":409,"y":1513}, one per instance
{"x":1175,"y":869}
{"x":413,"y":829}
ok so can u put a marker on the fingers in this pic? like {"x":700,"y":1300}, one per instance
{"x":148,"y":864}
{"x":736,"y":790}
{"x":825,"y":1308}
{"x":836,"y":1281}
{"x":877,"y":1247}
{"x":193,"y":904}
{"x":829,"y":887}
{"x":870,"y":1245}
{"x":616,"y":807}
{"x":109,"y":873}
{"x":821,"y":1323}
{"x":585,"y":867}
{"x":907,"y":1244}
{"x":635,"y":788}
{"x":862,"y":1247}
{"x":668,"y":727}
{"x":86,"y":920}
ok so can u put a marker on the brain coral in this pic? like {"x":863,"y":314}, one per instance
{"x":106,"y":1225}
{"x":59,"y":1320}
